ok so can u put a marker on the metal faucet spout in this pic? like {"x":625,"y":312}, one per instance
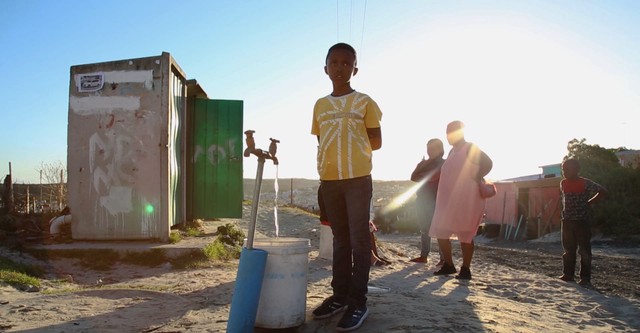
{"x":251,"y":143}
{"x":272,"y":150}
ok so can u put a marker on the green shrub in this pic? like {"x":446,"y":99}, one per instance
{"x":17,"y":274}
{"x":230,"y":235}
{"x":175,"y":237}
{"x":219,"y":250}
{"x":9,"y":223}
{"x":193,"y":232}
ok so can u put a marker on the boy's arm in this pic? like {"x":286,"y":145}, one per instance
{"x":418,"y":172}
{"x":375,"y":137}
{"x":601,"y":194}
{"x":597,"y":191}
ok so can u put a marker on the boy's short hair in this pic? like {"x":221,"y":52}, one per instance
{"x":573,"y":162}
{"x":435,"y":141}
{"x":342,"y":46}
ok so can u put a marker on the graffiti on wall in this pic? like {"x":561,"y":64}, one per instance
{"x":215,"y":154}
{"x":114,"y":154}
{"x":111,"y":162}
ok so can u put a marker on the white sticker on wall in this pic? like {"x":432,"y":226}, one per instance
{"x":89,"y":82}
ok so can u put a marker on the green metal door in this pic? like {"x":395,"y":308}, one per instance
{"x":216,"y":159}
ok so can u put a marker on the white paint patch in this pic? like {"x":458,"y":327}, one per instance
{"x":118,"y":201}
{"x":103,"y":104}
{"x":145,"y":77}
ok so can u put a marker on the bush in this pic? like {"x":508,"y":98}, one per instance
{"x":230,"y":235}
{"x":218,"y":250}
{"x":16,"y":274}
{"x":9,"y":223}
{"x":175,"y":237}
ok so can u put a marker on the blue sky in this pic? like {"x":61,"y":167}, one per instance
{"x":525,"y":76}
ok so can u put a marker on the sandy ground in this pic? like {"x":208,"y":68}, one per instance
{"x":499,"y":298}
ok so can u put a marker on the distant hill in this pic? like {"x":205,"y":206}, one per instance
{"x":296,"y":191}
{"x":304,"y":192}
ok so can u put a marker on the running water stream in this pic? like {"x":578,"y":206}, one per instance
{"x":275,"y":203}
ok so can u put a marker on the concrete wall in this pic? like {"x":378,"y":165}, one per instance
{"x":118,"y":149}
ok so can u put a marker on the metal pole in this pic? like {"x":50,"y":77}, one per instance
{"x":40,"y":203}
{"x":254,"y":204}
{"x":27,"y":200}
{"x":60,"y":191}
{"x":11,"y":203}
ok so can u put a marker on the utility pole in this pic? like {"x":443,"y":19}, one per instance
{"x":9,"y":182}
{"x":291,"y":192}
{"x":60,"y":191}
{"x":41,"y":166}
{"x":27,"y":212}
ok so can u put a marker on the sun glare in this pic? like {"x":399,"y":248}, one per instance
{"x":399,"y":200}
{"x":518,"y":84}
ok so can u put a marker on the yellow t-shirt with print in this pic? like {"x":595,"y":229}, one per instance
{"x":344,"y":150}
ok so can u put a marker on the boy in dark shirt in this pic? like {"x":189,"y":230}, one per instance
{"x":577,"y":195}
{"x":427,"y":172}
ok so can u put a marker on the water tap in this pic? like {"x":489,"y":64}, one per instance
{"x":251,"y":143}
{"x":262,"y":155}
{"x":272,"y":150}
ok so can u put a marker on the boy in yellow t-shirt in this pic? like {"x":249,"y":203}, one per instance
{"x":347,"y":124}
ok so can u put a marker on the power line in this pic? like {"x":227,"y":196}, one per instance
{"x":350,"y":21}
{"x":337,"y":21}
{"x":364,"y":15}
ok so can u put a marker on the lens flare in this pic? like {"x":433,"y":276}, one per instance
{"x":400,"y":199}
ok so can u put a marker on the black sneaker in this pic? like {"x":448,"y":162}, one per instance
{"x":446,"y":269}
{"x":328,"y":308}
{"x":465,"y":273}
{"x":586,"y":283}
{"x":353,"y":318}
{"x":566,"y":277}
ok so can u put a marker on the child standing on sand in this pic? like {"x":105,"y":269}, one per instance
{"x":347,"y":124}
{"x":577,"y":195}
{"x":427,"y":172}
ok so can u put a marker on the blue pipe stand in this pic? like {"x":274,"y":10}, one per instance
{"x":246,"y":294}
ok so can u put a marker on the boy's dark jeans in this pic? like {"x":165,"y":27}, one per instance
{"x":347,"y":204}
{"x":576,"y":235}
